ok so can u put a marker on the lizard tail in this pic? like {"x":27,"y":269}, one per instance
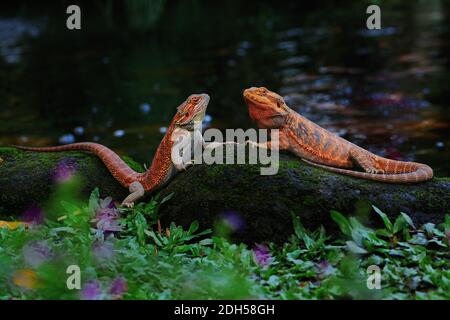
{"x":417,"y":172}
{"x":118,"y":168}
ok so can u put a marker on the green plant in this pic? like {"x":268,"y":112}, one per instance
{"x":147,"y":261}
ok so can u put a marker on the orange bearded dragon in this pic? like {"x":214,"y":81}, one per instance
{"x":321,"y":148}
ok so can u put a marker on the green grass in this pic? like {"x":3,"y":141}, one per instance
{"x":172,"y":263}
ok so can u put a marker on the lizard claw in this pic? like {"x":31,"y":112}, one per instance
{"x":188,"y":164}
{"x":251,"y":143}
{"x":184,"y":165}
{"x":375,"y":171}
{"x":128,"y":205}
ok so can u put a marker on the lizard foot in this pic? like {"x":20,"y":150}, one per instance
{"x":188,"y":164}
{"x":375,"y":171}
{"x":136,"y":192}
{"x":128,"y":205}
{"x":182,"y":166}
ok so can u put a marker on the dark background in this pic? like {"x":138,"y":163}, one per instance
{"x":118,"y":80}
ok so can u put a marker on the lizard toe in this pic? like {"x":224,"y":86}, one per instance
{"x":128,"y":205}
{"x":375,"y":171}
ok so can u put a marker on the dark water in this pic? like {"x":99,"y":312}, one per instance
{"x":119,"y":79}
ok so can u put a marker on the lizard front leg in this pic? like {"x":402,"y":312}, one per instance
{"x":367,"y":162}
{"x":181,"y":150}
{"x":281,"y":144}
{"x":136,"y":192}
{"x":214,"y":145}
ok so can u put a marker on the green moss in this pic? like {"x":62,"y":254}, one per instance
{"x":10,"y":151}
{"x":214,"y":170}
{"x":309,"y":201}
{"x":290,"y":164}
{"x":133,"y":164}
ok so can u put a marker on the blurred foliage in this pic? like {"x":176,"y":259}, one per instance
{"x":167,"y":262}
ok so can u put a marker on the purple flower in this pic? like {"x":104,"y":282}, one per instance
{"x":107,"y":216}
{"x":118,"y":287}
{"x":91,"y":291}
{"x":65,"y":170}
{"x":262,"y":255}
{"x":33,"y":215}
{"x":103,"y":251}
{"x":233,"y":220}
{"x":36,"y":252}
{"x":324,"y":269}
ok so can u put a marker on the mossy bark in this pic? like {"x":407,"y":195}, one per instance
{"x":208,"y":193}
{"x":27,"y":179}
{"x":265,"y":204}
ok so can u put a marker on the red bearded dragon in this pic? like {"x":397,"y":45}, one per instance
{"x":169,"y":159}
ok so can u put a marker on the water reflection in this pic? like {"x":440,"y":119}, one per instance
{"x":120,"y":79}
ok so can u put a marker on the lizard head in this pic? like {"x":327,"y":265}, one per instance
{"x":265,"y":107}
{"x":191,"y":111}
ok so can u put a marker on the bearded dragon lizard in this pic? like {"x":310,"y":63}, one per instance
{"x":321,"y":148}
{"x":182,"y":130}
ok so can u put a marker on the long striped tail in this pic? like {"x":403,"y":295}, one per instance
{"x":404,"y":172}
{"x":118,"y":168}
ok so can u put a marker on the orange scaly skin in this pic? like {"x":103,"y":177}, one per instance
{"x":323,"y":149}
{"x":162,"y":168}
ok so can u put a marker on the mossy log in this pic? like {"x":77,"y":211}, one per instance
{"x":261,"y":205}
{"x":28,"y":179}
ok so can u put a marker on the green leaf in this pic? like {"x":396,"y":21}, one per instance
{"x":385,"y":219}
{"x":399,"y":224}
{"x":167,"y":198}
{"x":141,"y":226}
{"x":93,"y":199}
{"x":155,"y":238}
{"x":273,"y":281}
{"x":408,"y":220}
{"x":55,"y":231}
{"x":302,"y":233}
{"x":447,"y":222}
{"x":342,"y":222}
{"x":353,"y":247}
{"x":298,"y":227}
{"x":193,"y":227}
{"x":206,"y":242}
{"x":384,"y":233}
